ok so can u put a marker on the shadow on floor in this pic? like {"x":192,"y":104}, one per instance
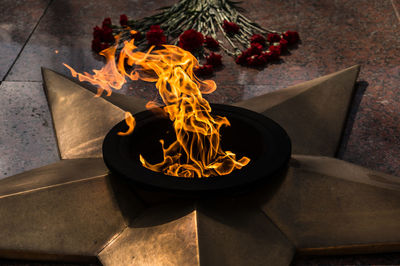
{"x":360,"y":88}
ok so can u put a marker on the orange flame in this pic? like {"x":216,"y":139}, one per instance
{"x":197,"y":150}
{"x":131,"y":122}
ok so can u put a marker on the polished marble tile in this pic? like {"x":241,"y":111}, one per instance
{"x":18,"y":18}
{"x":27,"y":139}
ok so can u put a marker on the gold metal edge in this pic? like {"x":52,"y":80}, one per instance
{"x":111,"y":241}
{"x":351,"y":249}
{"x":197,"y":235}
{"x":51,"y":186}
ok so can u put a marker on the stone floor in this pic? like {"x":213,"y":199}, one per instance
{"x":335,"y":35}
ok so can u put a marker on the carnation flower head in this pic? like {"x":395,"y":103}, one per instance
{"x":230,"y":27}
{"x":275,"y":51}
{"x":273,"y":37}
{"x":123,"y":20}
{"x":283,"y":43}
{"x":211,"y":43}
{"x":191,"y":40}
{"x":255,"y":48}
{"x":106,"y":23}
{"x":214,"y":59}
{"x":257,"y":38}
{"x":155,"y":36}
{"x":291,"y":37}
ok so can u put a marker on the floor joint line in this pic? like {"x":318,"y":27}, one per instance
{"x":26,"y":42}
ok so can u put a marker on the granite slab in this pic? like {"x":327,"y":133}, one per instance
{"x":27,"y":138}
{"x":65,"y":34}
{"x":17,"y":21}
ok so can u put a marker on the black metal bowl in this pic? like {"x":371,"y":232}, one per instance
{"x":251,"y":134}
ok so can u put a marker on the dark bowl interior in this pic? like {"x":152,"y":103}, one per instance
{"x":250,"y":134}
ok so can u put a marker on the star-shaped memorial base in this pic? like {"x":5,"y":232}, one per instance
{"x":75,"y":210}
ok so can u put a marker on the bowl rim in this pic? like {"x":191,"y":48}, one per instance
{"x":271,"y":162}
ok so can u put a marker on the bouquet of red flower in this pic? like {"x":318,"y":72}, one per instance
{"x":262,"y":51}
{"x":202,"y":32}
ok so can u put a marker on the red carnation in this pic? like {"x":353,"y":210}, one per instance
{"x":211,"y":43}
{"x":214,"y":59}
{"x":155,"y":36}
{"x":291,"y":36}
{"x":104,"y":46}
{"x":191,"y":40}
{"x":107,"y":35}
{"x":257,"y":38}
{"x":230,"y":27}
{"x":97,"y":32}
{"x":204,"y":70}
{"x":283,"y":43}
{"x":241,"y":59}
{"x":106,"y":22}
{"x":96,"y":45}
{"x":273,"y":37}
{"x":255,"y":48}
{"x":265,"y":56}
{"x":101,"y":35}
{"x":275,"y":51}
{"x":255,"y":61}
{"x":123,"y":20}
{"x":248,"y":52}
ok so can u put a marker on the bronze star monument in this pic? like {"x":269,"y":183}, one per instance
{"x":75,"y":210}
